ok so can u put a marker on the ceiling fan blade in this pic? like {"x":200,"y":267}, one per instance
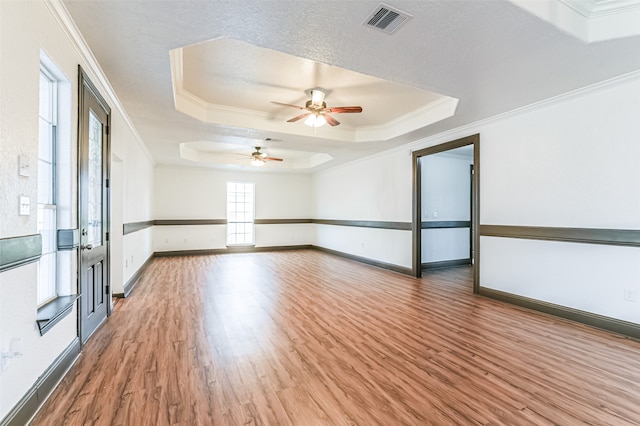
{"x":330,"y":120}
{"x":289,"y":105}
{"x":344,"y":109}
{"x":272,"y":159}
{"x":300,"y":117}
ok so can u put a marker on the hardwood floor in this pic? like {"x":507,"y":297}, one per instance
{"x":306,"y":338}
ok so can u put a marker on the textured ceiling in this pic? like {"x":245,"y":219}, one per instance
{"x":491,"y":55}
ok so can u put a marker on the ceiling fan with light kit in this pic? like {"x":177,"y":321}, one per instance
{"x":259,"y":158}
{"x":317,"y":113}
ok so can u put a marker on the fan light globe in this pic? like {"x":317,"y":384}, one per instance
{"x":315,"y":120}
{"x":258,"y":162}
{"x":317,"y":97}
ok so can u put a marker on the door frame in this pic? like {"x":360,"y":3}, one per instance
{"x":416,"y":226}
{"x":85,"y":85}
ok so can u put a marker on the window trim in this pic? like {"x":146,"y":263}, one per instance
{"x":54,"y":309}
{"x":252,"y":243}
{"x":50,"y":245}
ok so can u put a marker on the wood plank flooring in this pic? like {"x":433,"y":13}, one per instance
{"x":306,"y":338}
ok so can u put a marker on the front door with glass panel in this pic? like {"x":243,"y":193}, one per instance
{"x":93,"y":210}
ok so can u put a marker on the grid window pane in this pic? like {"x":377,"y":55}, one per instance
{"x":47,"y":228}
{"x":45,"y":147}
{"x":45,"y":182}
{"x":240,"y":212}
{"x":94,"y":210}
{"x":46,"y":277}
{"x":46,"y":211}
{"x":46,"y":107}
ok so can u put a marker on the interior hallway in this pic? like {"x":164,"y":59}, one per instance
{"x":303,"y":337}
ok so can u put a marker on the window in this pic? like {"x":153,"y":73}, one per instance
{"x":56,"y":199}
{"x":47,"y":210}
{"x":240,"y":209}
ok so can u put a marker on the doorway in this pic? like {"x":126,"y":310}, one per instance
{"x":431,"y":215}
{"x":93,"y":207}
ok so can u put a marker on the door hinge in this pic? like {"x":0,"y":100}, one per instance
{"x":107,"y":130}
{"x":107,"y":236}
{"x":106,"y":183}
{"x":106,"y":289}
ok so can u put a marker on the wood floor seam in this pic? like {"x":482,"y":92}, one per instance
{"x":305,"y":337}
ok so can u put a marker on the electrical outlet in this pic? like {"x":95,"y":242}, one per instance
{"x":630,"y":295}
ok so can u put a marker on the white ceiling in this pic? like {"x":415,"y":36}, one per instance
{"x":239,"y":74}
{"x":487,"y":57}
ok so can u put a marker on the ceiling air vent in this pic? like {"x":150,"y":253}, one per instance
{"x":386,"y":19}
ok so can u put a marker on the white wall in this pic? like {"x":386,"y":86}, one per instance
{"x":446,"y":196}
{"x":383,"y":245}
{"x":569,"y":162}
{"x":138,"y":184}
{"x":117,"y":220}
{"x":25,"y":28}
{"x":443,"y":244}
{"x":587,"y":277}
{"x":572,"y":163}
{"x":199,"y":193}
{"x":376,"y":188}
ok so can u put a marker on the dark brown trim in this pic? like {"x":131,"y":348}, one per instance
{"x":447,"y":146}
{"x":471,"y":242}
{"x":136,"y":226}
{"x":417,"y":203}
{"x":376,"y":263}
{"x":281,"y":221}
{"x":54,"y":311}
{"x":444,"y":224}
{"x":616,"y":237}
{"x":68,"y":239}
{"x":446,"y":263}
{"x":252,"y":249}
{"x":131,"y":227}
{"x":416,"y":216}
{"x":403,"y":226}
{"x":173,"y":222}
{"x":29,"y":404}
{"x":237,"y":249}
{"x":475,"y":219}
{"x":85,"y":81}
{"x":19,"y":251}
{"x":131,"y":283}
{"x":599,"y":321}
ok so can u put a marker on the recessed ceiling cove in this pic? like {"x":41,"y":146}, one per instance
{"x":230,"y":154}
{"x":234,"y":83}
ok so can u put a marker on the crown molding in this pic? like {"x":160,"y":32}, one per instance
{"x":588,"y":20}
{"x":196,"y":107}
{"x":597,"y":8}
{"x":473,"y":127}
{"x":66,"y":22}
